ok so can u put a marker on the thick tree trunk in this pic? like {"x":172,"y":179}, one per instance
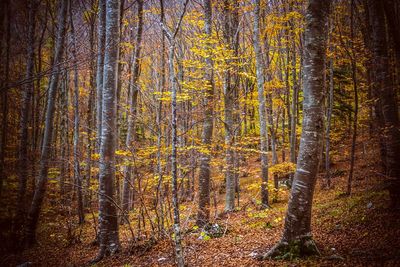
{"x":297,"y":230}
{"x":384,"y":89}
{"x":108,"y":227}
{"x":36,"y":205}
{"x":203,"y":214}
{"x":261,"y":108}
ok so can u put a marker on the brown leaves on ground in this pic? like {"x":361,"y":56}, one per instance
{"x":359,"y":230}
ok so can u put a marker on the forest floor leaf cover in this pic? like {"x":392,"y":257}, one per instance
{"x":359,"y":230}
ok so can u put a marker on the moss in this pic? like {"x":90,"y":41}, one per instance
{"x":299,"y":248}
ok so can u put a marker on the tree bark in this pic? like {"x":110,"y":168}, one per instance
{"x":228,"y":110}
{"x":108,"y":221}
{"x":355,"y":119}
{"x":171,"y":36}
{"x":261,"y":102}
{"x":297,"y":229}
{"x":203,"y":213}
{"x":101,"y":35}
{"x":383,"y":88}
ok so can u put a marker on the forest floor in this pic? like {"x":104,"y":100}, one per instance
{"x":359,"y":230}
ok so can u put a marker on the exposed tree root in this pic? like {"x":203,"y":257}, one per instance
{"x":302,"y":247}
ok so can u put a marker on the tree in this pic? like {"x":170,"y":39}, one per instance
{"x":230,"y":38}
{"x":261,"y":104}
{"x":203,"y":213}
{"x":33,"y":215}
{"x":77,"y":154}
{"x":130,"y":136}
{"x":355,"y":88}
{"x":383,"y":90}
{"x":101,"y":35}
{"x":171,"y":36}
{"x":27,"y":96}
{"x":297,"y":229}
{"x":108,"y":221}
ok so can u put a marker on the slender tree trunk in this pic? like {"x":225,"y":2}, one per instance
{"x":355,"y":119}
{"x":90,"y":117}
{"x":101,"y":35}
{"x":35,"y":208}
{"x":328,"y":125}
{"x":203,"y":214}
{"x":160,"y":196}
{"x":77,"y":155}
{"x":293,"y":117}
{"x":132,"y":112}
{"x":24,"y":122}
{"x":174,"y":172}
{"x":261,"y":108}
{"x":297,"y":229}
{"x":229,"y":120}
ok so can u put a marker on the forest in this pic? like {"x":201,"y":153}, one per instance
{"x":199,"y":133}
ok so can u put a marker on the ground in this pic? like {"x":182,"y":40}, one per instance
{"x":359,"y":230}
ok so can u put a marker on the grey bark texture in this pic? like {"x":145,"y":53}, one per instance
{"x":297,"y":229}
{"x":261,"y":102}
{"x":108,"y":221}
{"x":229,"y":106}
{"x":101,"y":35}
{"x":171,"y":36}
{"x":203,"y":213}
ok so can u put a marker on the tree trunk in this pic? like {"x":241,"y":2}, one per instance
{"x":35,"y":208}
{"x":229,"y":120}
{"x":293,"y":117}
{"x":24,"y":122}
{"x":328,"y":125}
{"x":203,"y":214}
{"x":90,"y":117}
{"x":132,"y":113}
{"x":355,"y":121}
{"x":297,"y":229}
{"x":384,"y":89}
{"x":108,"y":227}
{"x":101,"y":35}
{"x":261,"y":108}
{"x":174,"y":136}
{"x":77,"y":155}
